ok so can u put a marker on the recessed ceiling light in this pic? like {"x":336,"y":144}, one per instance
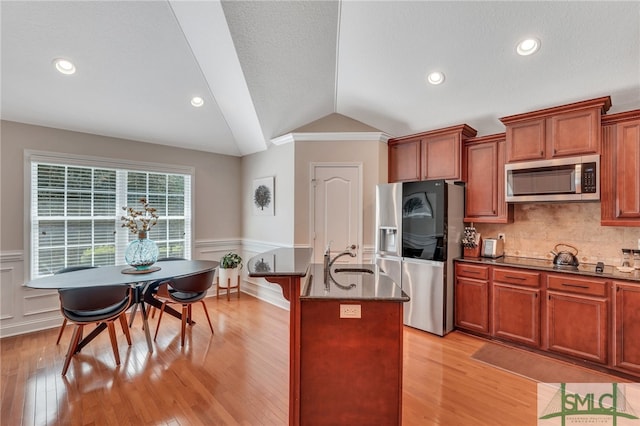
{"x":64,"y":66}
{"x":197,"y":101}
{"x":528,"y":46}
{"x":435,"y":77}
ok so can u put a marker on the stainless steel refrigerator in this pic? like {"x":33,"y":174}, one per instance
{"x":419,"y":226}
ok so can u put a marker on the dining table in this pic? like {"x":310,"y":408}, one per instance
{"x":125,"y":275}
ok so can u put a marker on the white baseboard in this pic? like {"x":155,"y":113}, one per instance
{"x":33,"y":326}
{"x":266,"y":293}
{"x":263,"y":292}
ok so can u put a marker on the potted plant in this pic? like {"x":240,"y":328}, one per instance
{"x":230,"y":265}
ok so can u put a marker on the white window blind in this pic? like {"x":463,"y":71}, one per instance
{"x":76,"y":210}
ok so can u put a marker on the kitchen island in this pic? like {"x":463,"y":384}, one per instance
{"x":345,"y":339}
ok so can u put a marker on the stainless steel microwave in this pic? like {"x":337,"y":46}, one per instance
{"x":560,"y":179}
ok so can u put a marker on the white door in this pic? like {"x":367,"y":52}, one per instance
{"x":337,"y":209}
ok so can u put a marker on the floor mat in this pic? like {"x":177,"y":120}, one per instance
{"x":538,"y":367}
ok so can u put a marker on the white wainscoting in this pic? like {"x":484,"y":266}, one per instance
{"x":25,"y":310}
{"x":259,"y":287}
{"x":368,"y":254}
{"x":22,"y":309}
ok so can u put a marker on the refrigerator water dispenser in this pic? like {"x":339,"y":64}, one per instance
{"x":388,"y":239}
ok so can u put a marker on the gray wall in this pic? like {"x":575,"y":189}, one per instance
{"x":277,"y":161}
{"x":217,"y":183}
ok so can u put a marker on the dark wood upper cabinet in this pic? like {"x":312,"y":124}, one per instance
{"x":527,"y":140}
{"x":404,"y":161}
{"x":567,"y":130}
{"x":483,"y":171}
{"x":441,"y":156}
{"x":620,"y":169}
{"x":575,"y":132}
{"x":628,"y":168}
{"x":436,"y":154}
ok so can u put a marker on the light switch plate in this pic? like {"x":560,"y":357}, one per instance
{"x":350,"y":311}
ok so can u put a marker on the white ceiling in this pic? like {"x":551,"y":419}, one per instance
{"x":266,"y":68}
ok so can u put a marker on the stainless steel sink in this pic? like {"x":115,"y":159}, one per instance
{"x":353,"y":270}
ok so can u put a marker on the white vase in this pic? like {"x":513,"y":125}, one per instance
{"x":224,"y":274}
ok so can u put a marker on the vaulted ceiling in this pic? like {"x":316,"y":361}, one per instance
{"x":265,"y":68}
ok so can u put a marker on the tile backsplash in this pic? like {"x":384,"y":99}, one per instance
{"x":537,"y":228}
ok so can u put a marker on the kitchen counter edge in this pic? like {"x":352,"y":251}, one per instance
{"x":297,"y":262}
{"x":281,"y":262}
{"x":379,"y":287}
{"x":588,"y":270}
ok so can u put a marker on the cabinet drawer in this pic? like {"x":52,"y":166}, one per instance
{"x":472,"y":271}
{"x":577,"y":285}
{"x":517,"y":277}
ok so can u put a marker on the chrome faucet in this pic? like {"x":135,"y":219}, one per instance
{"x":328,"y":262}
{"x":349,"y":251}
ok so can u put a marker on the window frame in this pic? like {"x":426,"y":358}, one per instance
{"x":65,"y":159}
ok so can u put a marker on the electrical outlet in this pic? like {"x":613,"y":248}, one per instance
{"x":501,"y":236}
{"x":350,"y":311}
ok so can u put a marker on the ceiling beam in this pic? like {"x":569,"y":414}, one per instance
{"x":205,"y":28}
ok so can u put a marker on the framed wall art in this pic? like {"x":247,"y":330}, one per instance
{"x":263,"y":196}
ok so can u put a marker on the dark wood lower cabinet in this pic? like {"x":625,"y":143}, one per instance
{"x":577,"y":326}
{"x":472,"y":305}
{"x":516,"y":314}
{"x":592,"y":320}
{"x":627,"y":326}
{"x":350,"y":368}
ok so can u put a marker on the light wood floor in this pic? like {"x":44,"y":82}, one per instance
{"x":237,"y":376}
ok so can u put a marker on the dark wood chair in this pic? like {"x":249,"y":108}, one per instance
{"x":185,"y":291}
{"x":95,"y":305}
{"x":64,"y":271}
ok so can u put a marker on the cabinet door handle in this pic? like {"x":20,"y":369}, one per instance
{"x":515,"y":278}
{"x":541,"y":153}
{"x":575,"y":285}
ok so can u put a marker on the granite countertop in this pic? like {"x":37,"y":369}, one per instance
{"x":351,"y":285}
{"x":587,"y":269}
{"x":282,"y":262}
{"x":296,"y":262}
